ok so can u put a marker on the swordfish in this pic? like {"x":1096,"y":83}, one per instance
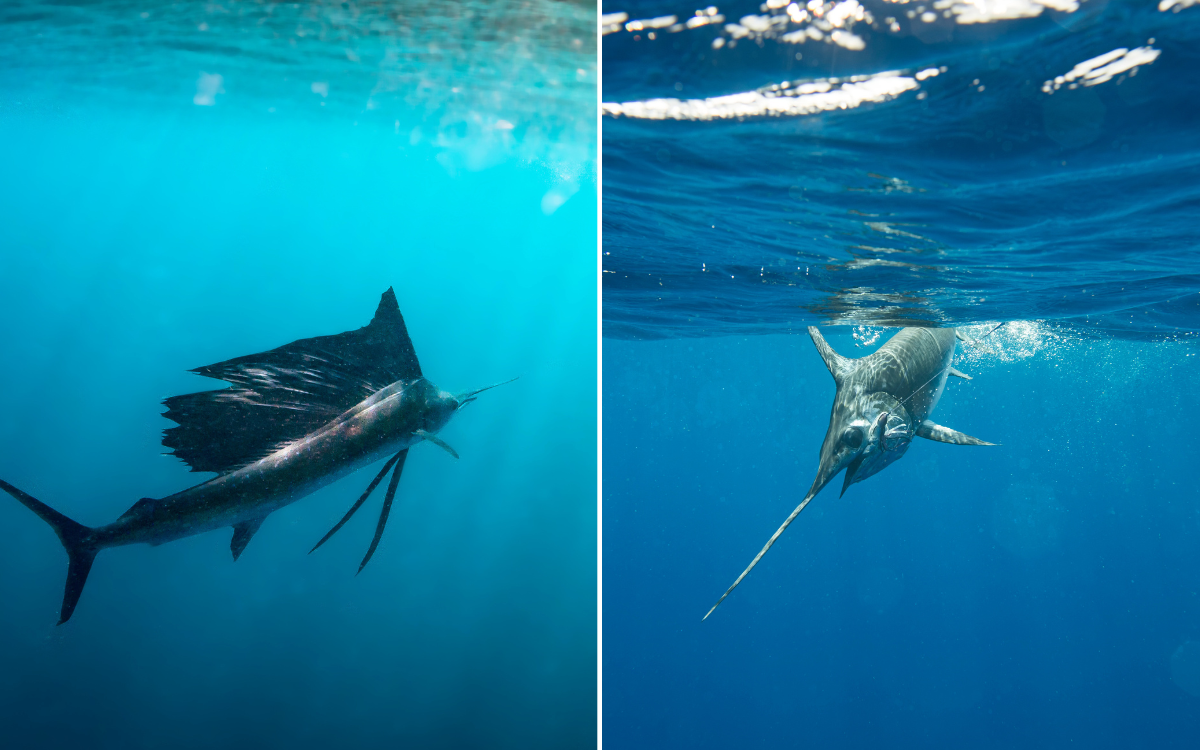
{"x":294,"y":420}
{"x":882,"y":401}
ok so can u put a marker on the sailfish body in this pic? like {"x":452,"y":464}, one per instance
{"x":882,"y":402}
{"x":296,"y":419}
{"x":378,"y":428}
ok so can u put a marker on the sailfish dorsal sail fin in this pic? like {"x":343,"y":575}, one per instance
{"x":285,"y":393}
{"x":839,"y":366}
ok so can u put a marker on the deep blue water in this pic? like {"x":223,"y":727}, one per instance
{"x":1032,"y":595}
{"x":1043,"y":593}
{"x":157,"y":220}
{"x":945,"y":196}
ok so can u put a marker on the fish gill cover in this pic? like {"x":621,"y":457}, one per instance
{"x":770,"y":165}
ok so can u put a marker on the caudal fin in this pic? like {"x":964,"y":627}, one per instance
{"x":76,"y":538}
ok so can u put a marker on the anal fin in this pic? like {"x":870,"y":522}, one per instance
{"x":931,"y":431}
{"x":242,"y":532}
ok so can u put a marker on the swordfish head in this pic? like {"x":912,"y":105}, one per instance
{"x":869,"y":428}
{"x":867,"y":432}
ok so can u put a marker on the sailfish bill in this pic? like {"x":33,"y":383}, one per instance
{"x":882,"y":402}
{"x":294,"y":419}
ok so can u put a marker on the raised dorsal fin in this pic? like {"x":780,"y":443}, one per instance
{"x":286,"y":393}
{"x":839,"y":366}
{"x":242,"y":532}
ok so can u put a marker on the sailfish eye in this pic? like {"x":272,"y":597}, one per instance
{"x":852,"y":437}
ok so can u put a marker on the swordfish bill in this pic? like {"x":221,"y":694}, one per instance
{"x":294,"y":419}
{"x":882,"y":402}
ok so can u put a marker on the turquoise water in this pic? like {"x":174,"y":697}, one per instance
{"x":156,"y":220}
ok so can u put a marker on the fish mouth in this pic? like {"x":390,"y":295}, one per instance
{"x":467,"y":397}
{"x":877,"y":442}
{"x":851,"y":470}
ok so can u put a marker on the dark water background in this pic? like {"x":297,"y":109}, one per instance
{"x":152,"y":225}
{"x":1043,"y":593}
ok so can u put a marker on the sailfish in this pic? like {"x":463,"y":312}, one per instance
{"x":882,"y":401}
{"x":295,"y":419}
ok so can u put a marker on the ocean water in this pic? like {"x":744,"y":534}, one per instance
{"x":1044,"y":593}
{"x":189,"y":182}
{"x":935,"y":170}
{"x":973,"y":167}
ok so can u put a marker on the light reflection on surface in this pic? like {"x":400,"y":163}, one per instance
{"x":779,"y":100}
{"x":832,"y":22}
{"x":1103,"y":68}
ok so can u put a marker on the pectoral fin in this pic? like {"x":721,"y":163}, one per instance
{"x":242,"y":532}
{"x":958,"y":374}
{"x":931,"y":431}
{"x":436,"y":441}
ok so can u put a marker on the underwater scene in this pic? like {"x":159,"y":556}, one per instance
{"x":258,"y":257}
{"x":900,"y":309}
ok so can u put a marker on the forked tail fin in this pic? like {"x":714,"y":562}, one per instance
{"x":76,"y":538}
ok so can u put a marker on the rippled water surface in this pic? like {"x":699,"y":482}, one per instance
{"x":480,"y":81}
{"x":771,"y":165}
{"x":866,"y":163}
